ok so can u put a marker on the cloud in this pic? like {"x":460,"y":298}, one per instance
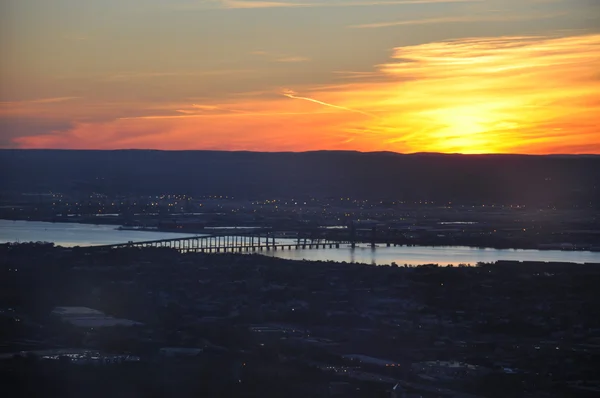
{"x":457,"y":19}
{"x":128,"y":76}
{"x":293,"y":59}
{"x":15,"y":128}
{"x":235,"y":4}
{"x":52,"y":100}
{"x":514,"y":94}
{"x":12,"y":104}
{"x":291,"y":94}
{"x":254,"y":4}
{"x":487,"y":95}
{"x":214,"y":132}
{"x":280,"y":58}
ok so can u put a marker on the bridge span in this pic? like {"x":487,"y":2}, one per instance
{"x":233,"y":243}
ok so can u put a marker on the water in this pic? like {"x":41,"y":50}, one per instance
{"x":72,"y":234}
{"x":415,"y":255}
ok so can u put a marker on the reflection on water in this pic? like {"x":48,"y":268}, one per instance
{"x":71,"y":234}
{"x":416,"y":255}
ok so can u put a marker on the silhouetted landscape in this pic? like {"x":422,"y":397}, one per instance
{"x":211,"y":295}
{"x":562,"y":181}
{"x":154,"y":322}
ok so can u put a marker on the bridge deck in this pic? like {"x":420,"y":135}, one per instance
{"x":218,"y":243}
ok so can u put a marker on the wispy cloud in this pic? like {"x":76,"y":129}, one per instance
{"x":293,"y":59}
{"x":257,"y":4}
{"x":280,"y":58}
{"x":219,"y":115}
{"x":233,"y":4}
{"x":226,"y":110}
{"x":126,"y":76}
{"x":292,"y":94}
{"x":39,"y":101}
{"x":457,"y":19}
{"x":363,"y":76}
{"x":33,"y":107}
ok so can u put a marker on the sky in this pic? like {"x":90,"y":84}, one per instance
{"x":453,"y":76}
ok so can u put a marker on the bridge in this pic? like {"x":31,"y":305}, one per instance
{"x":250,"y":242}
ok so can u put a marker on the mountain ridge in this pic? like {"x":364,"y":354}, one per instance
{"x":533,"y":179}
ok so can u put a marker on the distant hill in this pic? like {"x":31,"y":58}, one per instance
{"x":562,"y":180}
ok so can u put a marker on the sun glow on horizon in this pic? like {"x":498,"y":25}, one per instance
{"x":479,"y":95}
{"x":498,"y":95}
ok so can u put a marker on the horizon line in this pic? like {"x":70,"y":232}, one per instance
{"x":302,"y":152}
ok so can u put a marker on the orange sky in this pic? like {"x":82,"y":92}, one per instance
{"x":537,"y":94}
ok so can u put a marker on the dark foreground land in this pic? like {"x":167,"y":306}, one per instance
{"x":250,"y":326}
{"x":497,"y":201}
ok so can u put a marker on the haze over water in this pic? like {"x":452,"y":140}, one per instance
{"x":73,"y":234}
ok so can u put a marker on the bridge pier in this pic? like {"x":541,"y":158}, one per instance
{"x":238,"y":244}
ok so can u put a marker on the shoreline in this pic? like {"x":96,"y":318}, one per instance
{"x":416,"y":243}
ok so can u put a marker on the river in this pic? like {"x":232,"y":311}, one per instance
{"x":73,"y":234}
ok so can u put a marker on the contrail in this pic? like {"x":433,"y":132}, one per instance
{"x":292,"y":94}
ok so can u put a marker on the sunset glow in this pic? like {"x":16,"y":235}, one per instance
{"x":534,"y":93}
